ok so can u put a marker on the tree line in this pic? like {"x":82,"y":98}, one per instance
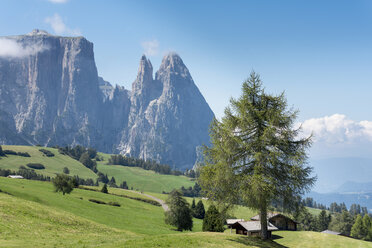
{"x":82,"y":154}
{"x":355,"y":209}
{"x":181,"y":213}
{"x":144,"y":164}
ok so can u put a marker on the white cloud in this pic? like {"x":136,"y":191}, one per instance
{"x":12,"y":49}
{"x":59,"y":27}
{"x":150,"y":48}
{"x":337,"y":128}
{"x":338,"y":136}
{"x":58,"y":1}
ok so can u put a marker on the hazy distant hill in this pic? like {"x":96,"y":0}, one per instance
{"x":350,"y":187}
{"x":334,"y":172}
{"x":364,"y":199}
{"x":50,"y":94}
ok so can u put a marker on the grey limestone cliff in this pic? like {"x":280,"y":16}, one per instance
{"x":50,"y":94}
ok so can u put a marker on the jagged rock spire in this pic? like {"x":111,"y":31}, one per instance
{"x":144,"y":75}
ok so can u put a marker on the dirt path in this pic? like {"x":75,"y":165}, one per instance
{"x":162,"y":203}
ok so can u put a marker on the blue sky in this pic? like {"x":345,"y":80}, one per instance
{"x":318,"y":52}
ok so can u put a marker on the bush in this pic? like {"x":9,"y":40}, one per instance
{"x":66,"y":170}
{"x":36,"y":166}
{"x":97,"y":201}
{"x":10,"y":152}
{"x":115,"y":204}
{"x":47,"y":152}
{"x":23,"y":154}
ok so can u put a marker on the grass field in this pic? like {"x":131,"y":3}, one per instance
{"x":53,"y":165}
{"x":144,"y":180}
{"x":35,"y":216}
{"x":138,"y":178}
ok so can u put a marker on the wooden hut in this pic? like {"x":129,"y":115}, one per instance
{"x":281,"y":221}
{"x":252,"y":228}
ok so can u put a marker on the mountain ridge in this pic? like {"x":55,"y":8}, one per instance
{"x":51,"y":94}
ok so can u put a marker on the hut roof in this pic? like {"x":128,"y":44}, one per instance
{"x":331,"y":232}
{"x":271,"y":215}
{"x":232,"y":221}
{"x":253,"y":226}
{"x":16,"y":176}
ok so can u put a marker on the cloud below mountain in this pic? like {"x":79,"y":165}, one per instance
{"x":12,"y":49}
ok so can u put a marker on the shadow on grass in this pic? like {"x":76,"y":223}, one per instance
{"x":255,"y":241}
{"x":276,"y":237}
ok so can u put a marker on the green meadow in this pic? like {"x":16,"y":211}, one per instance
{"x":53,"y":165}
{"x":33,"y":215}
{"x":144,"y":180}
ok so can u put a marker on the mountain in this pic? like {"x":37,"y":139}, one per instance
{"x":362,"y":198}
{"x":334,"y":172}
{"x":51,"y":94}
{"x":349,"y":187}
{"x":346,"y":179}
{"x":166,"y":114}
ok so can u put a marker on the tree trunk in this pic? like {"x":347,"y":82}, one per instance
{"x":263,"y":220}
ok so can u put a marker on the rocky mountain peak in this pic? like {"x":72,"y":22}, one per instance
{"x":144,"y":75}
{"x":172,"y":64}
{"x":38,"y":32}
{"x":53,"y":96}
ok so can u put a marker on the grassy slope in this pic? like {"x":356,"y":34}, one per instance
{"x":29,"y":224}
{"x":143,"y":180}
{"x":315,"y":239}
{"x":36,"y":216}
{"x":133,"y":215}
{"x":239,"y":212}
{"x":53,"y":165}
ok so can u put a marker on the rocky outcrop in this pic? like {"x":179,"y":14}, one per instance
{"x":169,"y":118}
{"x":50,"y":94}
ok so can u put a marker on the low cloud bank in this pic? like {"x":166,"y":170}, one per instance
{"x":10,"y":48}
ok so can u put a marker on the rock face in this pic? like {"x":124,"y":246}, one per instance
{"x":169,"y":117}
{"x":50,"y":94}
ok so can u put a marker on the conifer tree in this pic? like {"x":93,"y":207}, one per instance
{"x":112,"y":182}
{"x":357,"y":231}
{"x":104,"y":189}
{"x":199,"y":210}
{"x":193,"y":207}
{"x":2,"y":154}
{"x":256,"y":155}
{"x":323,"y":221}
{"x":367,"y":227}
{"x":212,"y":221}
{"x":179,"y":214}
{"x":124,"y":185}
